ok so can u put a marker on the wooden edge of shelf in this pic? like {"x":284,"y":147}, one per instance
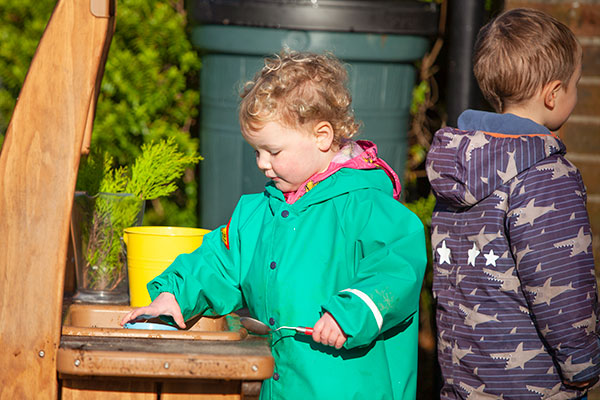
{"x":138,"y":333}
{"x":139,"y":364}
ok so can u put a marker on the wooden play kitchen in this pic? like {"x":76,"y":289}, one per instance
{"x":51,"y":348}
{"x":97,"y":359}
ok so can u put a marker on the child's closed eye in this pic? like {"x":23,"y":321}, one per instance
{"x":271,"y":152}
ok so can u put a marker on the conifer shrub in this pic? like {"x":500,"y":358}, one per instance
{"x":148,"y":93}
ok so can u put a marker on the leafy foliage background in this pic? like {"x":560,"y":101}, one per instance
{"x":149,"y":90}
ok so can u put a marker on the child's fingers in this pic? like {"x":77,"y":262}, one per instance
{"x":317,"y":328}
{"x":327,"y":336}
{"x":178,"y":318}
{"x":332,"y":338}
{"x":130,"y":316}
{"x":326,"y":331}
{"x":340,"y":342}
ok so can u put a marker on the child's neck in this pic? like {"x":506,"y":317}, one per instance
{"x":532,"y":109}
{"x":327,"y":158}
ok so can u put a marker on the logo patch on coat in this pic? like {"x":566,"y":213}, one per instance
{"x":225,"y":235}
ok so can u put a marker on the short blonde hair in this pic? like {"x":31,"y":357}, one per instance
{"x":295,"y":89}
{"x":521,"y":51}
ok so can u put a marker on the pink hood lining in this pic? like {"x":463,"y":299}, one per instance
{"x":360,"y":154}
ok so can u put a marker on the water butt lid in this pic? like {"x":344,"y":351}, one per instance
{"x":404,"y":17}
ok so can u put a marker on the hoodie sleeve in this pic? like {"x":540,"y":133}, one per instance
{"x":206,"y":281}
{"x":548,"y":226}
{"x":390,"y":260}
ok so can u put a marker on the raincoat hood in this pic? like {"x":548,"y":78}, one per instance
{"x":485,"y":152}
{"x":361,"y":154}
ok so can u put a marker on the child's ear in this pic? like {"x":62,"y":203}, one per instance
{"x":550,"y":92}
{"x":323,"y":135}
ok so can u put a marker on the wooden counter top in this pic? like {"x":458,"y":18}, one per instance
{"x":248,"y":359}
{"x":94,"y":344}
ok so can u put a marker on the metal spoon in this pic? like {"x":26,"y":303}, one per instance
{"x":256,"y":326}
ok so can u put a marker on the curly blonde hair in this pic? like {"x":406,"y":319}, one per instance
{"x":519,"y":52}
{"x":295,"y":89}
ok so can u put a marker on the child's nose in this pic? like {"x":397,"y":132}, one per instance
{"x":263,"y":162}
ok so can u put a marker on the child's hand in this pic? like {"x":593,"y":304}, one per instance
{"x":164,"y":304}
{"x":328,"y":332}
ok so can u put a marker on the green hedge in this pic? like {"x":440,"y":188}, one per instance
{"x":148,"y":91}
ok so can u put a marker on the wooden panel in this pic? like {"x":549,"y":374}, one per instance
{"x":107,"y":389}
{"x":100,"y":388}
{"x":38,"y":168}
{"x":251,"y":390}
{"x":201,"y":390}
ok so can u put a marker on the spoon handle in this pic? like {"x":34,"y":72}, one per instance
{"x":305,"y":330}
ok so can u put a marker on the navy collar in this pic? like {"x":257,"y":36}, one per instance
{"x":508,"y":124}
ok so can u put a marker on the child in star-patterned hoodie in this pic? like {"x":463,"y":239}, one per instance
{"x":514,"y":278}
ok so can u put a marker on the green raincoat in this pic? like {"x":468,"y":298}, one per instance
{"x":346,"y":247}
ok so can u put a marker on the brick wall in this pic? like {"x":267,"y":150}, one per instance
{"x":581,"y":133}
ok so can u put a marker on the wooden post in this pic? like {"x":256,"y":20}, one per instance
{"x":38,"y":169}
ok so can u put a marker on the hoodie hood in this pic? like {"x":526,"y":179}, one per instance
{"x":466,"y":165}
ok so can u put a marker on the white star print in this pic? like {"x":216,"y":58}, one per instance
{"x":490,"y":258}
{"x":473,"y":253}
{"x":444,"y":253}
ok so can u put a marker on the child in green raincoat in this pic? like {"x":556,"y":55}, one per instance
{"x":326,"y":244}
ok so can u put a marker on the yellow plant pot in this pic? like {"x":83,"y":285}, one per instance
{"x":150,"y":250}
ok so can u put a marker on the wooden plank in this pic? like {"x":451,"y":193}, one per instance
{"x":38,"y":168}
{"x":251,"y":390}
{"x":201,"y":390}
{"x":93,"y":388}
{"x":101,"y":388}
{"x":249,"y":359}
